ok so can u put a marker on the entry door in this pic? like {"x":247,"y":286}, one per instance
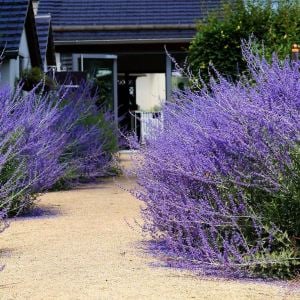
{"x":102,"y":69}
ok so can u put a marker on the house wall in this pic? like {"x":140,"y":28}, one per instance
{"x":24,"y":51}
{"x":10,"y":69}
{"x":45,"y":66}
{"x":5,"y":72}
{"x":9,"y":72}
{"x":150,"y":91}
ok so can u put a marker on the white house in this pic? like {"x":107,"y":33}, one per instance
{"x":18,"y":40}
{"x":122,"y":44}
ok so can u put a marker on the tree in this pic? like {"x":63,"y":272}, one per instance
{"x":275,"y":26}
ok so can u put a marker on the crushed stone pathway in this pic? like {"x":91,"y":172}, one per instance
{"x":79,"y":246}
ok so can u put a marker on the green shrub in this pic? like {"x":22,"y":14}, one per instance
{"x":282,"y":207}
{"x":218,"y":39}
{"x":108,"y":131}
{"x":31,"y":78}
{"x":221,"y":182}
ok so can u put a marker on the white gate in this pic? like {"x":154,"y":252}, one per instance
{"x":145,"y":124}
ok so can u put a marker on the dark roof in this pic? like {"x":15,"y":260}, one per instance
{"x":96,"y":19}
{"x":43,"y":26}
{"x":12,"y":22}
{"x":16,"y":16}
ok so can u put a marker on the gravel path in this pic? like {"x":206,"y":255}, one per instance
{"x":80,"y":247}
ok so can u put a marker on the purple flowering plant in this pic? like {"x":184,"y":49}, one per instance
{"x":45,"y":138}
{"x":49,"y":140}
{"x":221,"y":182}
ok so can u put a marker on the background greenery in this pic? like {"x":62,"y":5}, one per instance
{"x":275,"y":25}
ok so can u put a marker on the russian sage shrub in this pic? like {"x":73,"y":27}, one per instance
{"x":44,"y":139}
{"x":30,"y":148}
{"x":86,"y":154}
{"x":221,"y":182}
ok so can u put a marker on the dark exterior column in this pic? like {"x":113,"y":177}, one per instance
{"x":115,"y":83}
{"x":168,"y":78}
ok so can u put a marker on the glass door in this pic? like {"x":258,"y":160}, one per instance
{"x":102,"y":70}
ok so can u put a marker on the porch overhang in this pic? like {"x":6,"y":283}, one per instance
{"x":122,"y":42}
{"x":70,"y":28}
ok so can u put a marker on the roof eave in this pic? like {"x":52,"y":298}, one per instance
{"x":71,"y":28}
{"x":122,"y":41}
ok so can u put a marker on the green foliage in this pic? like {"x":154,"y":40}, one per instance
{"x":30,"y":78}
{"x":101,"y":118}
{"x":11,"y":171}
{"x":103,"y":88}
{"x":66,"y":181}
{"x":108,"y":131}
{"x":279,"y":213}
{"x":218,"y":39}
{"x":280,"y":208}
{"x":279,"y":262}
{"x":109,"y":139}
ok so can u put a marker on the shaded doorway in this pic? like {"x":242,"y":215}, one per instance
{"x":102,"y":70}
{"x":126,"y":100}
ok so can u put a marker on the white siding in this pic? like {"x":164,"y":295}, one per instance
{"x":24,"y":51}
{"x":9,"y":72}
{"x":150,"y":91}
{"x":10,"y":69}
{"x":4,"y":72}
